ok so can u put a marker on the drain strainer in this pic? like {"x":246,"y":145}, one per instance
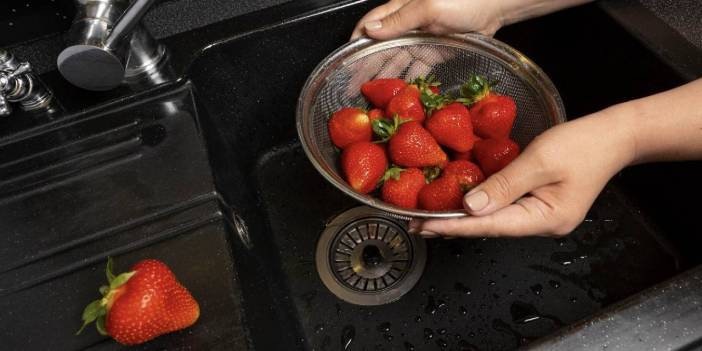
{"x":366,"y":257}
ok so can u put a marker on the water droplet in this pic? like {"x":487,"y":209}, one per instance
{"x":462,"y":288}
{"x":388,"y":337}
{"x":573,"y":299}
{"x":463,"y":310}
{"x":428,"y":334}
{"x":523,"y":313}
{"x":554,"y":284}
{"x":10,"y":24}
{"x":418,"y":319}
{"x":442,"y":343}
{"x":408,"y":346}
{"x":319,"y":328}
{"x":384,"y":327}
{"x":458,"y":336}
{"x":432,"y":289}
{"x":471,"y":334}
{"x":537,"y":289}
{"x":347,"y":335}
{"x":442,"y":331}
{"x":431,"y":307}
{"x":491,"y":283}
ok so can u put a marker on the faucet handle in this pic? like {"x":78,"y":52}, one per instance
{"x":23,"y":68}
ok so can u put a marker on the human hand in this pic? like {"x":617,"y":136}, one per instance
{"x":548,"y":189}
{"x":435,"y":16}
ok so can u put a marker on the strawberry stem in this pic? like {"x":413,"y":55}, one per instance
{"x":392,"y":172}
{"x":431,"y":173}
{"x":385,"y":128}
{"x":475,"y":89}
{"x":97,"y":310}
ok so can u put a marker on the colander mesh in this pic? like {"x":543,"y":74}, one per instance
{"x":449,"y":63}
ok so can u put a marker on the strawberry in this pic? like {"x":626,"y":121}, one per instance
{"x":380,"y":91}
{"x":407,"y":104}
{"x":467,"y":156}
{"x":467,"y":173}
{"x":434,"y":89}
{"x":493,"y":116}
{"x":142,"y":304}
{"x":413,"y":146}
{"x":375,"y":114}
{"x":402,"y":186}
{"x":443,"y":194}
{"x":349,"y":125}
{"x":451,"y":126}
{"x":363,"y":164}
{"x":494,"y":154}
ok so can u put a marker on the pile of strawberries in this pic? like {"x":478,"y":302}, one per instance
{"x":423,"y":148}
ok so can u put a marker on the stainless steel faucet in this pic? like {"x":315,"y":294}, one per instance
{"x":19,"y":85}
{"x":109,"y":45}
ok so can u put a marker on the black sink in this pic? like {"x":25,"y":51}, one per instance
{"x":174,"y":172}
{"x":492,"y":294}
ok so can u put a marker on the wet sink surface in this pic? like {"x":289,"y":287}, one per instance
{"x":492,"y":294}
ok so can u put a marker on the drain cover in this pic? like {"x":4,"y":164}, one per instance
{"x":366,"y":257}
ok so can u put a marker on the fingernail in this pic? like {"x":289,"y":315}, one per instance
{"x":477,"y":201}
{"x":428,"y":233}
{"x":373,"y":25}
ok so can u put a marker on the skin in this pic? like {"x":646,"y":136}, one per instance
{"x":548,"y":189}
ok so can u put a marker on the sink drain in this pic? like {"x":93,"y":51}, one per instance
{"x":366,"y":257}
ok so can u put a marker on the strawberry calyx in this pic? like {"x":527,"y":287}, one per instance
{"x":475,"y":89}
{"x":385,"y":128}
{"x":430,"y":99}
{"x":431,"y":173}
{"x":392,"y":172}
{"x":97,"y":310}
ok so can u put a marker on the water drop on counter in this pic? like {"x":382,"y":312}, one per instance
{"x":428,"y":334}
{"x":537,"y":289}
{"x":347,"y":335}
{"x":442,"y":343}
{"x":408,"y":346}
{"x":554,"y":284}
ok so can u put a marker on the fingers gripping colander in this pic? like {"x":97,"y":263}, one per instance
{"x":335,"y":83}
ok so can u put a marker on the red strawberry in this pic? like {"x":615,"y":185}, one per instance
{"x":413,"y":146}
{"x":142,"y":304}
{"x":467,"y":173}
{"x":364,"y":164}
{"x":443,"y":194}
{"x":407,"y":104}
{"x":467,"y":156}
{"x":434,"y":89}
{"x":374,"y":114}
{"x":380,"y":91}
{"x":402,"y":186}
{"x":349,"y":125}
{"x":494,"y":154}
{"x":451,"y":127}
{"x":493,"y":116}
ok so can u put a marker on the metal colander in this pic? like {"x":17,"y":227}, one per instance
{"x":335,"y":83}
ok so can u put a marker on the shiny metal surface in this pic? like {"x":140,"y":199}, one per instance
{"x":367,"y":258}
{"x":335,"y":83}
{"x":19,"y":85}
{"x":109,"y":45}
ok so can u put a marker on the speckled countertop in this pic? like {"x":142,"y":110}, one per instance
{"x":670,"y":28}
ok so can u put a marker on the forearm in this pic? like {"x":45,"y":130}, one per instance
{"x":519,"y":10}
{"x":666,"y":126}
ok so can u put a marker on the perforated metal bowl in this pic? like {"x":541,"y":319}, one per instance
{"x":335,"y":83}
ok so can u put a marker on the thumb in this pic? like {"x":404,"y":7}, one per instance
{"x":408,"y":17}
{"x":506,"y":186}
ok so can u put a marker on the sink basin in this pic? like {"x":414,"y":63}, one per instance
{"x":494,"y":294}
{"x":208,"y":175}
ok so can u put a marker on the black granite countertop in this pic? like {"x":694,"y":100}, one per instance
{"x":670,"y":28}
